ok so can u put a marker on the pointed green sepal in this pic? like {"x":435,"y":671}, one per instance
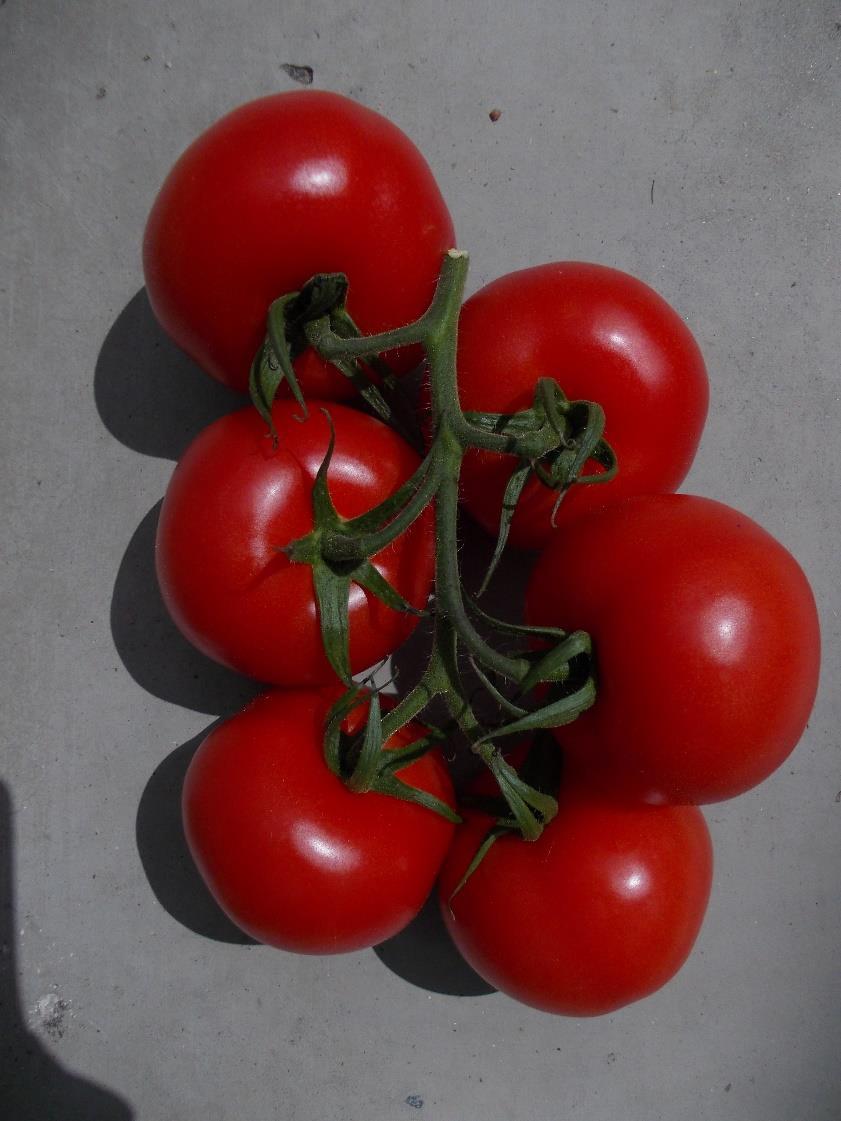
{"x":370,"y":578}
{"x":331,"y":592}
{"x":273,"y":364}
{"x":397,"y":758}
{"x":278,"y":337}
{"x":365,"y":387}
{"x":531,"y":807}
{"x":361,"y":777}
{"x":553,"y":665}
{"x":521,"y":630}
{"x":380,"y":516}
{"x":386,"y":783}
{"x":513,"y":492}
{"x":337,"y":714}
{"x":492,"y":835}
{"x":559,"y":711}
{"x":500,"y":698}
{"x":323,"y":511}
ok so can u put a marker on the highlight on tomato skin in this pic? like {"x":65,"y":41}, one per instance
{"x":707,"y":646}
{"x":602,"y":910}
{"x":295,"y":858}
{"x":235,"y":500}
{"x":277,"y":190}
{"x":604,"y":336}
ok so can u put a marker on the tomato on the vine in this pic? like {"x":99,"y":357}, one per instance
{"x":235,"y":500}
{"x":604,"y":336}
{"x":293,"y":856}
{"x":282,"y":188}
{"x":601,"y":910}
{"x":706,"y":639}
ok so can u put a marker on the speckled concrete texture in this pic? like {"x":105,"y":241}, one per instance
{"x":696,"y":145}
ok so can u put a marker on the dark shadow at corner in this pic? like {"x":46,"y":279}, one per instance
{"x":424,"y":955}
{"x":166,"y":858}
{"x":33,"y":1086}
{"x":152,"y":648}
{"x":149,"y":394}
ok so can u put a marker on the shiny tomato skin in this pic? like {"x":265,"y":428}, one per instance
{"x":604,"y":336}
{"x":235,"y":500}
{"x":600,"y":911}
{"x":293,"y":856}
{"x":279,"y":189}
{"x":707,"y":646}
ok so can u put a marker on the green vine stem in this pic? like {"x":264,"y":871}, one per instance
{"x":553,"y":441}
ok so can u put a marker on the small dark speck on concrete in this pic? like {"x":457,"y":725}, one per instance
{"x":728,"y":1087}
{"x":146,"y":57}
{"x":415,"y":1101}
{"x":302,"y":74}
{"x":838,"y":796}
{"x":611,"y":1057}
{"x":495,"y":114}
{"x":794,"y":284}
{"x":100,"y":93}
{"x":652,"y":192}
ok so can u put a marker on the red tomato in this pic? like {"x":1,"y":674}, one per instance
{"x":235,"y":500}
{"x":280,"y":189}
{"x":293,"y":856}
{"x":603,"y":336}
{"x":706,"y":639}
{"x":600,"y":911}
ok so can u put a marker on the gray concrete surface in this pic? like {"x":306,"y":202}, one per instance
{"x":126,"y":995}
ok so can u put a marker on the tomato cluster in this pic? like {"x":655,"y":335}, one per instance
{"x":319,"y":824}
